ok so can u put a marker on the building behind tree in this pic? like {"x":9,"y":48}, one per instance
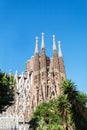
{"x":41,"y":82}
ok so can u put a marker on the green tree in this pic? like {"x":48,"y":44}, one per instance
{"x":46,"y":117}
{"x":64,"y":111}
{"x":53,"y":115}
{"x":67,"y":112}
{"x":7,"y":84}
{"x":77,"y":102}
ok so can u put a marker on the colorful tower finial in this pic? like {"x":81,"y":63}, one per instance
{"x":59,"y":49}
{"x":42,"y":44}
{"x":36,"y":48}
{"x":54,"y":43}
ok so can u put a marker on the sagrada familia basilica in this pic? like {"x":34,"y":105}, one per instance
{"x":41,"y":82}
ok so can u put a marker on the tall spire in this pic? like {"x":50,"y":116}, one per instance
{"x":54,"y":43}
{"x":42,"y":44}
{"x":36,"y":48}
{"x":16,"y":77}
{"x":59,"y":49}
{"x":16,"y":73}
{"x":10,"y":72}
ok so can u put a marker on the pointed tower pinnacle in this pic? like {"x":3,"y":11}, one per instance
{"x":10,"y":72}
{"x":36,"y":48}
{"x":54,"y":43}
{"x":16,"y":77}
{"x":42,"y":44}
{"x":22,"y":74}
{"x":59,"y":49}
{"x":16,"y":72}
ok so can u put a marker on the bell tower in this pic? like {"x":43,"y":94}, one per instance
{"x":56,"y":67}
{"x":46,"y":74}
{"x":61,"y":62}
{"x":43,"y":71}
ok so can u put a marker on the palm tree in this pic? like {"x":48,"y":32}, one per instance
{"x":47,"y":117}
{"x":64,"y":110}
{"x":77,"y":103}
{"x":67,"y":112}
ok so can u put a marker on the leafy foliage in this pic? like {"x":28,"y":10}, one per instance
{"x":6,"y":91}
{"x":78,"y":102}
{"x":47,"y":116}
{"x":67,"y":112}
{"x":51,"y":115}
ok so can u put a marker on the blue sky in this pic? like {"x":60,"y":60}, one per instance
{"x":22,"y":20}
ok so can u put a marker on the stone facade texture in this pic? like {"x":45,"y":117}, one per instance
{"x":46,"y":74}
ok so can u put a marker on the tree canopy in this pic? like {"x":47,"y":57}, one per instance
{"x":78,"y":102}
{"x":67,"y":112}
{"x":7,"y":84}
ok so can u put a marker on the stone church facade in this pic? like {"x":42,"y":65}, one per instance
{"x":41,"y":82}
{"x":45,"y":73}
